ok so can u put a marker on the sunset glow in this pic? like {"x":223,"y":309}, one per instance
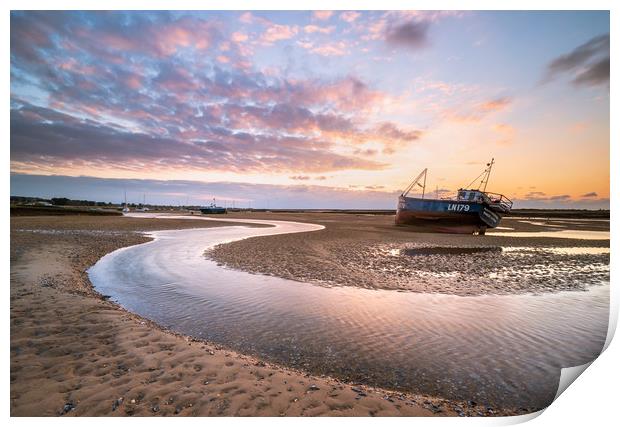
{"x":310,"y":109}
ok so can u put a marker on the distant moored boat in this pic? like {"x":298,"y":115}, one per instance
{"x":470,"y":211}
{"x":213,"y":209}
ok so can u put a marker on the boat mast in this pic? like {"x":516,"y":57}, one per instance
{"x":415,"y":181}
{"x":485,"y":179}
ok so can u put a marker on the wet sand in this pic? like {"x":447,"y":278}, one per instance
{"x":368,"y":251}
{"x":75,"y":353}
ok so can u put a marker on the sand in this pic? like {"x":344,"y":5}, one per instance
{"x":369,"y":251}
{"x":75,"y":353}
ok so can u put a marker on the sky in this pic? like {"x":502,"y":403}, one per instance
{"x":315,"y":109}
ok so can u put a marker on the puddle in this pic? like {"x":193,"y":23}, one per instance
{"x":543,"y":224}
{"x":443,"y":250}
{"x":561,"y":251}
{"x":562,"y":234}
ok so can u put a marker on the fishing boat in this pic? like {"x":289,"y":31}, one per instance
{"x":213,"y":209}
{"x":470,"y":211}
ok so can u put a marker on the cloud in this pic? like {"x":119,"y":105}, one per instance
{"x":366,"y":152}
{"x":330,"y":49}
{"x":596,"y":74}
{"x":394,"y":137}
{"x":350,"y":16}
{"x":542,"y":197}
{"x":496,"y":104}
{"x":277,"y":32}
{"x":310,"y":29}
{"x":587,"y":64}
{"x":322,"y":15}
{"x":535,"y":195}
{"x":412,"y":34}
{"x":589,"y":195}
{"x":161,"y":93}
{"x":238,"y":37}
{"x":246,"y":18}
{"x":475,"y":112}
{"x":300,"y":177}
{"x":540,"y":200}
{"x":47,"y":140}
{"x":115,"y":105}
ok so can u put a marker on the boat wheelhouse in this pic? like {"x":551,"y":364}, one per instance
{"x":471,"y":211}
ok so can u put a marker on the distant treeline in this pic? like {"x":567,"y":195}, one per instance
{"x":29,"y":210}
{"x":57,"y":201}
{"x":64,"y":201}
{"x":561,"y":213}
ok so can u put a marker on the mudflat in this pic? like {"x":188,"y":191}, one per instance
{"x":369,"y":251}
{"x":75,"y":353}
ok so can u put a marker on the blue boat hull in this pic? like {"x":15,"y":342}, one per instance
{"x":448,"y":216}
{"x":216,"y":210}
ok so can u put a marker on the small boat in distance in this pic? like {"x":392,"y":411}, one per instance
{"x":471,"y":211}
{"x":213,"y":209}
{"x":125,"y":207}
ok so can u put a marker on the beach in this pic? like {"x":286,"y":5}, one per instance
{"x":75,"y":352}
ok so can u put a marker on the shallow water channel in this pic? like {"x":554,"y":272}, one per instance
{"x":498,"y":350}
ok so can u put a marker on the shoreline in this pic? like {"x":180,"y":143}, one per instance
{"x":47,"y":389}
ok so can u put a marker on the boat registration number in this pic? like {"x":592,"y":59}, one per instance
{"x":458,"y":208}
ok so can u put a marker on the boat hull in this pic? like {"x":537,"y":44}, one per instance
{"x":447,"y":216}
{"x":216,"y":210}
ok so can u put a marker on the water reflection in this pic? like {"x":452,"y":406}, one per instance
{"x":562,"y":234}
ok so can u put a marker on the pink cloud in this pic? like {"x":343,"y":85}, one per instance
{"x":478,"y":111}
{"x":376,"y":30}
{"x":495,"y":104}
{"x":350,"y":16}
{"x":322,"y":15}
{"x":316,"y":29}
{"x":246,"y":18}
{"x":239,"y":37}
{"x":278,"y":32}
{"x":331,"y":49}
{"x":133,"y":82}
{"x":75,"y":67}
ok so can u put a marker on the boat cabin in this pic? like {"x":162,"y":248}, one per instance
{"x":497,"y":202}
{"x":471,"y":196}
